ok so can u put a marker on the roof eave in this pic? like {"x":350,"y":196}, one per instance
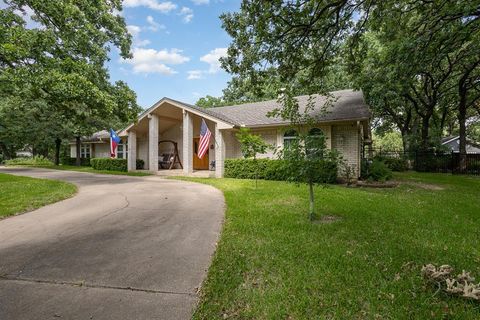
{"x":224,"y":124}
{"x":285,"y":123}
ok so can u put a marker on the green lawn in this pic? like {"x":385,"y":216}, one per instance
{"x":91,"y":170}
{"x":272,"y":263}
{"x":20,"y":194}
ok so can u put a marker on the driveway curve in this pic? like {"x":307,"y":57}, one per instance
{"x":122,"y":248}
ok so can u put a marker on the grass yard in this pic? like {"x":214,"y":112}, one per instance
{"x":91,"y":170}
{"x":272,"y":263}
{"x":20,"y":194}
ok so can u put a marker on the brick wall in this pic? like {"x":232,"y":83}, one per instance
{"x":347,"y":140}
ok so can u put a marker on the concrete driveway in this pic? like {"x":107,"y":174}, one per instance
{"x":122,"y":248}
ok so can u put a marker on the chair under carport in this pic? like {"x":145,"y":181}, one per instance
{"x":169,"y":159}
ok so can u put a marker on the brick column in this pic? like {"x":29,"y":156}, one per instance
{"x":219,"y":153}
{"x":187,"y":160}
{"x":132,"y":151}
{"x":153,"y":143}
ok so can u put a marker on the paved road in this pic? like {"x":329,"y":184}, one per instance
{"x":122,"y":248}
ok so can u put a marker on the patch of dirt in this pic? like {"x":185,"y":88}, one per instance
{"x":327,"y":219}
{"x":377,"y":184}
{"x":427,"y":186}
{"x":288,"y":201}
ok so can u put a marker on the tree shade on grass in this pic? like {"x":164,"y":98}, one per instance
{"x":21,"y":194}
{"x":272,"y":263}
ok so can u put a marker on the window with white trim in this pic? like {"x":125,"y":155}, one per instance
{"x":122,"y":150}
{"x":315,"y":143}
{"x":85,"y":150}
{"x":289,"y":137}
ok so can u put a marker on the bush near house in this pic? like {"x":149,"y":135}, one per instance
{"x":376,"y":170}
{"x":140,"y":164}
{"x":109,"y":164}
{"x":71,"y":161}
{"x":394,"y":164}
{"x":269,"y":169}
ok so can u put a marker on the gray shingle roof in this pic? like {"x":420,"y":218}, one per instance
{"x":209,"y":111}
{"x":345,"y":105}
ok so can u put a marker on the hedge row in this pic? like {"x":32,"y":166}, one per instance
{"x":109,"y":164}
{"x":114,"y":164}
{"x":269,"y":169}
{"x":73,"y":161}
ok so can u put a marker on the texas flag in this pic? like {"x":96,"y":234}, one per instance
{"x":114,"y":141}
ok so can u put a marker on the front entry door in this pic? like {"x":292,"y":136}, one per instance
{"x":199,"y":164}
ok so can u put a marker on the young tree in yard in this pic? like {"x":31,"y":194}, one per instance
{"x":306,"y":158}
{"x":252,"y":145}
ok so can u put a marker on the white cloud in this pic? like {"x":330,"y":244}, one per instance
{"x":153,"y":61}
{"x":153,"y":68}
{"x":164,"y":7}
{"x":134,"y":30}
{"x":153,"y":25}
{"x":187,"y":14}
{"x":141,"y":43}
{"x":194,"y":74}
{"x":213,"y":59}
{"x":199,"y":2}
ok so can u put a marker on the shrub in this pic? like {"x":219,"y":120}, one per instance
{"x":1,"y":159}
{"x":378,"y":171}
{"x":395,"y":164}
{"x":140,"y":164}
{"x":34,"y":161}
{"x":269,"y":169}
{"x":109,"y":164}
{"x":73,"y":161}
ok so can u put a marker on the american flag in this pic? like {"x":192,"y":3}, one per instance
{"x":205,"y":135}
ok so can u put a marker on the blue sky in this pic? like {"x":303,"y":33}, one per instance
{"x":175,"y":49}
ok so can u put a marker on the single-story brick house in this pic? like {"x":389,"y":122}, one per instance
{"x":345,"y":125}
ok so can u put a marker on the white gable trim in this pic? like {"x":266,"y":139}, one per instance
{"x":221,"y":124}
{"x":448,"y":141}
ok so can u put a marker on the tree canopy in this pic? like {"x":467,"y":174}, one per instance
{"x":417,"y":62}
{"x":52,"y":56}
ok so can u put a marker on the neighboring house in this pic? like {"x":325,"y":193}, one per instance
{"x":453,"y":144}
{"x":24,"y":153}
{"x":345,"y":124}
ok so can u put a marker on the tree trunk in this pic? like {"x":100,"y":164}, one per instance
{"x":78,"y":144}
{"x":256,"y":172}
{"x":6,"y":153}
{"x":462,"y":118}
{"x":311,"y":213}
{"x":58,"y":143}
{"x":405,"y":140}
{"x":425,"y":132}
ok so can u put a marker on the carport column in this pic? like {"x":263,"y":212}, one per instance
{"x":132,"y":151}
{"x":153,"y":143}
{"x":187,"y":143}
{"x":219,"y":153}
